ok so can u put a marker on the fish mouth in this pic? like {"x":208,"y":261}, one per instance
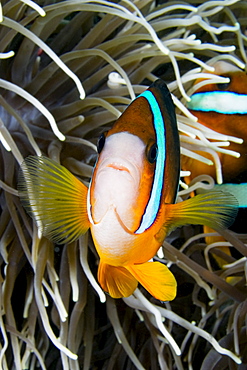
{"x":118,"y":167}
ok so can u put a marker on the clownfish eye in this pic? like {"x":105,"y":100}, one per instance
{"x":224,"y":86}
{"x":152,"y":153}
{"x":101,"y":143}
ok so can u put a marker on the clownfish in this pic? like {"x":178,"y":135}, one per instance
{"x":130,"y":203}
{"x":223,"y":108}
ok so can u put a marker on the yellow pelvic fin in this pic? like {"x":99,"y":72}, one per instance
{"x":116,"y":280}
{"x":156,"y":278}
{"x":215,"y":209}
{"x":54,"y":198}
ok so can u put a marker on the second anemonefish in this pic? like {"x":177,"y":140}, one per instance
{"x":223,"y":108}
{"x":129,"y":206}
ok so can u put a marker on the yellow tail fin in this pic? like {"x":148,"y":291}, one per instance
{"x":156,"y":278}
{"x":122,"y":281}
{"x":54,"y":198}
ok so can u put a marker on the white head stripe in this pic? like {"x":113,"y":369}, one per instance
{"x":153,"y":205}
{"x":225,"y":102}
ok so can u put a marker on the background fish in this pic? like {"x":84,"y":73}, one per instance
{"x":223,"y":108}
{"x":129,"y":206}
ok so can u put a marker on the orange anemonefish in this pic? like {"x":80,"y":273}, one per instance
{"x":223,"y":108}
{"x":129,"y":205}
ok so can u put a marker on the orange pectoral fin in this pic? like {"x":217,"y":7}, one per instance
{"x":156,"y":278}
{"x":54,"y":198}
{"x":115,"y":280}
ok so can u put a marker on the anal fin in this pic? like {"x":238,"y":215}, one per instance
{"x":116,"y":280}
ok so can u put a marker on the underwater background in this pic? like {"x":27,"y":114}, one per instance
{"x":68,"y":70}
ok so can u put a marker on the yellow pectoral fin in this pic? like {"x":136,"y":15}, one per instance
{"x":115,"y":280}
{"x":54,"y":198}
{"x":215,"y":209}
{"x":156,"y":278}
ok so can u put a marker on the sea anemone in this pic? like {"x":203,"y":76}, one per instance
{"x":68,"y":69}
